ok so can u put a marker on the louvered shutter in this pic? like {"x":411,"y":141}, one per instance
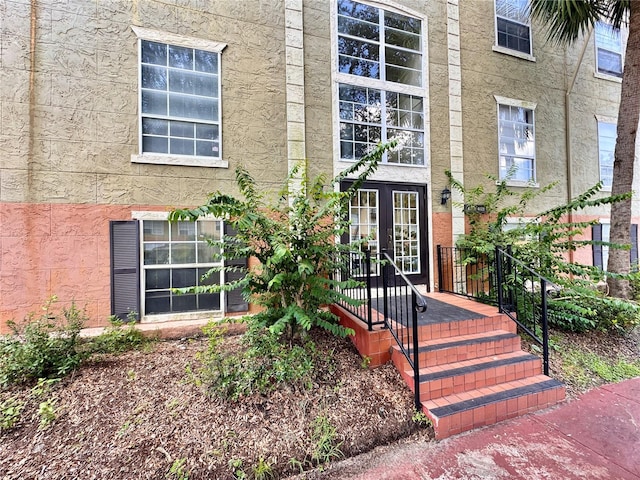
{"x":596,"y":235}
{"x":234,"y":302}
{"x":125,"y":268}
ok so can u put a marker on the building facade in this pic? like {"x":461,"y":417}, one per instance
{"x":112,"y":112}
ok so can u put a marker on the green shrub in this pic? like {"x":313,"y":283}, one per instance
{"x":118,"y":338}
{"x":43,"y":347}
{"x":325,"y":446}
{"x":10,"y":411}
{"x":262,"y":365}
{"x":294,"y":241}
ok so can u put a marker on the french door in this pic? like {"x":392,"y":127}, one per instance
{"x":392,"y":217}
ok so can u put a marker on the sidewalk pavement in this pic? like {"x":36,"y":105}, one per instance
{"x":596,"y":436}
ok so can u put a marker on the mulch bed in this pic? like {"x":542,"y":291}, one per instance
{"x":133,"y":416}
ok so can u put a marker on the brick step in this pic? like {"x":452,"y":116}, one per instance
{"x":465,"y":411}
{"x":433,"y":331}
{"x":464,"y":347}
{"x":443,"y":380}
{"x":436,"y":330}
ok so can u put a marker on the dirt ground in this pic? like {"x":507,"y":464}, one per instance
{"x":138,"y":416}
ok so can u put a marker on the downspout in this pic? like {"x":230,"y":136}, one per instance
{"x":567,"y":128}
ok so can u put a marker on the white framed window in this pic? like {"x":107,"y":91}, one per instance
{"x":606,"y":147}
{"x":179,"y":100}
{"x":513,"y":27}
{"x":176,"y":255}
{"x":365,"y":214}
{"x":516,"y":141}
{"x":381,"y":77}
{"x":609,"y":50}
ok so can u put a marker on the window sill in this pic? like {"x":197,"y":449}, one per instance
{"x":179,"y":160}
{"x":347,"y":162}
{"x":183,"y":316}
{"x":515,"y":183}
{"x":604,"y":76}
{"x":513,"y":53}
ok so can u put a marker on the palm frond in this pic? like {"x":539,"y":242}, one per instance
{"x":567,"y":20}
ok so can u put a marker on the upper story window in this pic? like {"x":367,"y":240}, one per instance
{"x":606,"y":147}
{"x":513,"y":26}
{"x":608,"y":50}
{"x":381,"y":73}
{"x":375,"y":43}
{"x":516,"y":141}
{"x":180,"y":101}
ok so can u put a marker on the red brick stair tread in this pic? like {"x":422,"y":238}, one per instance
{"x":470,"y":366}
{"x":454,"y":404}
{"x":462,"y":340}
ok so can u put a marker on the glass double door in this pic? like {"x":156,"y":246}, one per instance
{"x":392,"y":218}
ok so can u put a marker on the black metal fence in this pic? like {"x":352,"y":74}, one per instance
{"x":502,"y":280}
{"x":522,"y":294}
{"x":386,"y":297}
{"x":465,"y":272}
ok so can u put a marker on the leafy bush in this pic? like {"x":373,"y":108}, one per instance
{"x":118,"y":338}
{"x":294,"y":241}
{"x":10,"y":411}
{"x":262,"y":365}
{"x":43,"y":347}
{"x":543,"y":243}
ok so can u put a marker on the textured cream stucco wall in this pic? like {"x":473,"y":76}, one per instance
{"x":72,"y":141}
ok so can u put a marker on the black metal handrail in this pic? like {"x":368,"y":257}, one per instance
{"x":502,"y":280}
{"x":401,"y":316}
{"x":385,"y":297}
{"x":522,"y":295}
{"x":360,"y":266}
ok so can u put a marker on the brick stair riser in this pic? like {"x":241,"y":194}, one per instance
{"x":496,"y":412}
{"x":482,"y":378}
{"x":466,"y":327}
{"x":461,"y":353}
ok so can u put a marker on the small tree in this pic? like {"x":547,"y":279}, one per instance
{"x":295,"y":242}
{"x":543,"y":242}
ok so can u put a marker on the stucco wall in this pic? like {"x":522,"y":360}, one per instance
{"x":69,"y":125}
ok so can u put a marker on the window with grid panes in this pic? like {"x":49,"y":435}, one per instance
{"x":608,"y":49}
{"x":179,"y":100}
{"x":606,"y":147}
{"x":513,"y":27}
{"x":381,"y":77}
{"x":178,"y":255}
{"x":516,"y":143}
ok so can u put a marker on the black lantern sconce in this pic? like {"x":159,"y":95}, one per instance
{"x":445,"y":195}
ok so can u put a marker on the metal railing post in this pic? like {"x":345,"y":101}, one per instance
{"x":367,"y":256}
{"x":439,"y":250}
{"x":545,"y":327}
{"x":416,"y":366}
{"x":385,"y":294}
{"x":499,"y":280}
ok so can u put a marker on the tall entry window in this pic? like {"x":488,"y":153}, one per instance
{"x":381,"y":78}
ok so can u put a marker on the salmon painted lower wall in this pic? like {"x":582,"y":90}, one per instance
{"x":57,"y":249}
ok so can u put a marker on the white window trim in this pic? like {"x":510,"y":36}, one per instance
{"x":530,"y":106}
{"x":140,"y":216}
{"x":509,"y":51}
{"x":339,"y":77}
{"x":169,"y":159}
{"x":612,"y":121}
{"x":623,"y":43}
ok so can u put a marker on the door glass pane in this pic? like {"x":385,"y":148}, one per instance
{"x":406,"y":241}
{"x":363,"y":213}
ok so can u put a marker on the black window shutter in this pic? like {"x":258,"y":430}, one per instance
{"x":634,"y":246}
{"x":234,"y":302}
{"x":125,"y":268}
{"x":596,"y":235}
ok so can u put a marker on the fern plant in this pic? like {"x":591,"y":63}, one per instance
{"x":294,"y":241}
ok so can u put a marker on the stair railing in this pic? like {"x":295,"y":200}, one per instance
{"x":522,"y":295}
{"x":401,"y":305}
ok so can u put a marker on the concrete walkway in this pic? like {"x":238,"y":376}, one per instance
{"x":596,"y":436}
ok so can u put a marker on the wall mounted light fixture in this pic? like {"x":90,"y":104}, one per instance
{"x":445,"y":195}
